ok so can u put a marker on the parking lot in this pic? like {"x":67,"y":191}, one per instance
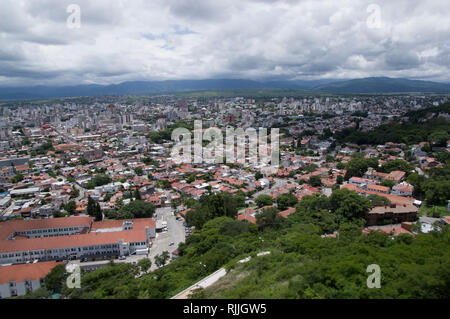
{"x":165,"y":241}
{"x":175,"y":234}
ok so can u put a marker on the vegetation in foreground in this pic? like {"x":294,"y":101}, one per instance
{"x":302,"y":264}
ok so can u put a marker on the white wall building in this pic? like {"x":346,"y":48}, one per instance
{"x":17,"y":280}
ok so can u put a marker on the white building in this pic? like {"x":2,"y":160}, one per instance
{"x":72,"y":238}
{"x":17,"y":280}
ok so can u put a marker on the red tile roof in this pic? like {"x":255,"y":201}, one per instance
{"x":8,"y":227}
{"x":287,"y":212}
{"x":19,"y":273}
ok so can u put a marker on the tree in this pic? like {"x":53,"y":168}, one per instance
{"x":198,"y":293}
{"x":437,"y":192}
{"x":315,"y":210}
{"x":94,"y":209}
{"x":137,"y":194}
{"x":198,"y":217}
{"x":144,"y":264}
{"x":74,"y":193}
{"x":17,"y":178}
{"x":57,"y":214}
{"x":55,"y":279}
{"x":378,"y":200}
{"x":190,"y":202}
{"x":165,"y":184}
{"x":70,"y":207}
{"x":98,"y":180}
{"x":161,"y":260}
{"x":348,"y":205}
{"x":137,"y":209}
{"x":358,"y":166}
{"x":234,"y":228}
{"x":439,"y":138}
{"x":329,"y":159}
{"x":98,"y":212}
{"x":264,"y":200}
{"x":119,"y":203}
{"x":417,"y":181}
{"x":388,"y":183}
{"x":339,"y":180}
{"x":285,"y":201}
{"x":258,"y":175}
{"x":212,"y":206}
{"x":139,"y":171}
{"x":90,"y":206}
{"x":396,"y":165}
{"x":310,"y":168}
{"x":315,"y":181}
{"x":269,"y":218}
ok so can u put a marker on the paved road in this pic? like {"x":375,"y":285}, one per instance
{"x":204,"y":283}
{"x":428,"y":220}
{"x":212,"y":279}
{"x":175,"y":234}
{"x":81,"y":192}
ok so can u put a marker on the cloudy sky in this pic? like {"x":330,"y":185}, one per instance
{"x":122,"y":40}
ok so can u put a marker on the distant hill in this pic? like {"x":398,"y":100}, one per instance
{"x":367,"y":85}
{"x":148,"y":87}
{"x":384,"y":85}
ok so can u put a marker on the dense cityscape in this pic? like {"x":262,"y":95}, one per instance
{"x":91,"y":181}
{"x":224,"y":159}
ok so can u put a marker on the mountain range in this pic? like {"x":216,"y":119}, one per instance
{"x":373,"y":85}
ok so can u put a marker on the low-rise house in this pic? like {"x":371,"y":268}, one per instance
{"x":392,"y":213}
{"x":396,"y":176}
{"x":378,"y":189}
{"x":249,"y":215}
{"x":403,"y":189}
{"x":361,"y":181}
{"x":46,"y":210}
{"x":404,"y":228}
{"x":287,"y":212}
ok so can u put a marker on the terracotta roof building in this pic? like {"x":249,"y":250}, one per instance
{"x":392,"y":213}
{"x":72,"y":238}
{"x":16,"y":280}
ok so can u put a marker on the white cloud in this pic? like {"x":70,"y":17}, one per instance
{"x":122,"y":40}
